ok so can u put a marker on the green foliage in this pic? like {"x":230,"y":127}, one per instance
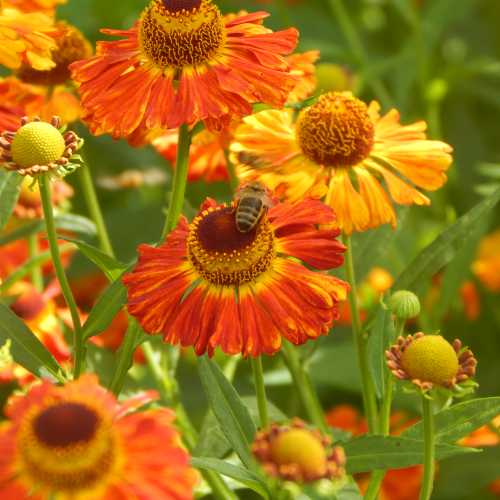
{"x":9,"y":191}
{"x":25,"y":348}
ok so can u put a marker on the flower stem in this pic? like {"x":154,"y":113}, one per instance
{"x":159,"y":370}
{"x":304,"y":386}
{"x":78,"y":344}
{"x":369,"y":400}
{"x":260,"y":390}
{"x":180,"y":180}
{"x":94,"y":209}
{"x":36,"y":270}
{"x":429,"y":449}
{"x":384,"y":421}
{"x":358,"y":51}
{"x":125,"y":356}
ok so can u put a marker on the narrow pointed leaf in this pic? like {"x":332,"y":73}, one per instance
{"x":9,"y":192}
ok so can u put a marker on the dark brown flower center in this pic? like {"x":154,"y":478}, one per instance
{"x":336,"y":131}
{"x":225,"y":256}
{"x":179,"y":5}
{"x":175,"y":34}
{"x":66,"y":424}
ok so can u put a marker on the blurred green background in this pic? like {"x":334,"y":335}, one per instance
{"x":437,"y":60}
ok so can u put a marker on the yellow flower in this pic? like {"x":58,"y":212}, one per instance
{"x":342,"y":150}
{"x":25,"y":39}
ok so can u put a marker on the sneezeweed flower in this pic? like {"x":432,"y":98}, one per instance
{"x":486,"y":267}
{"x":77,"y":441}
{"x":337,"y":141}
{"x":299,"y":454}
{"x":430,"y":361}
{"x":45,"y":6}
{"x":25,"y":38}
{"x":29,"y":202}
{"x":207,"y":158}
{"x":39,"y":147}
{"x":210,"y":285}
{"x":398,"y":484}
{"x":183,"y":62}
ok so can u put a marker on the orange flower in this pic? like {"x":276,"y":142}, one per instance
{"x":184,"y":63}
{"x":487,"y":435}
{"x":486,"y":267}
{"x":399,"y":484}
{"x":211,"y":285}
{"x":336,"y":140}
{"x":207,"y":159}
{"x":77,"y":441}
{"x":25,"y":38}
{"x":45,"y":6}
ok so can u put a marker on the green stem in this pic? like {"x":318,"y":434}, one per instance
{"x":36,"y":270}
{"x":369,"y":399}
{"x":384,"y":421}
{"x":125,"y":356}
{"x":168,"y":391}
{"x":304,"y":387}
{"x":94,"y":209}
{"x":429,"y":449}
{"x":180,"y":180}
{"x":357,"y":49}
{"x":78,"y":343}
{"x":260,"y":390}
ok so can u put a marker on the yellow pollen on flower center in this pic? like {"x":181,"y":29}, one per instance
{"x":37,"y":143}
{"x":225,"y":256}
{"x":175,"y":33}
{"x":67,"y":447}
{"x":336,"y":131}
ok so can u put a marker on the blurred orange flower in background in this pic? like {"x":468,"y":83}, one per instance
{"x":486,"y":267}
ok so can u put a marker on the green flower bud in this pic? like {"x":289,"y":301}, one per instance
{"x":404,"y":304}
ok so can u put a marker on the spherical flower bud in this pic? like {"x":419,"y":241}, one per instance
{"x":430,"y":360}
{"x":296,"y":453}
{"x":404,"y":304}
{"x":39,"y":147}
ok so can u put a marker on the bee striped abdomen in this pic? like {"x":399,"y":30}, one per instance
{"x":248,"y":213}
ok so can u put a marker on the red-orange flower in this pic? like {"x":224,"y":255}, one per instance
{"x":210,"y":285}
{"x":399,"y":484}
{"x":77,"y":441}
{"x":183,"y":63}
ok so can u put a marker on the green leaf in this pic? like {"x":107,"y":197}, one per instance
{"x":233,"y":416}
{"x":10,"y":183}
{"x":26,"y":349}
{"x":381,"y":335}
{"x":459,"y":420}
{"x":105,"y":309}
{"x":67,"y":222}
{"x":213,"y":443}
{"x":243,"y":476}
{"x":368,"y":453}
{"x":350,"y":491}
{"x":112,"y":268}
{"x":442,"y":250}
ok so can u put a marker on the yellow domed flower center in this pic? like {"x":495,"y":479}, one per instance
{"x":37,"y":143}
{"x":299,"y":447}
{"x":67,"y":446}
{"x":430,"y":358}
{"x":179,"y":33}
{"x":225,"y":256}
{"x":336,"y":131}
{"x":71,"y":46}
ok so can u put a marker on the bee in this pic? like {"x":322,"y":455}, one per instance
{"x":133,"y":179}
{"x":253,"y":201}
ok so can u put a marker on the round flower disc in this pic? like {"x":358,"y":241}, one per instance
{"x":301,"y":448}
{"x":37,"y":143}
{"x":430,"y":358}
